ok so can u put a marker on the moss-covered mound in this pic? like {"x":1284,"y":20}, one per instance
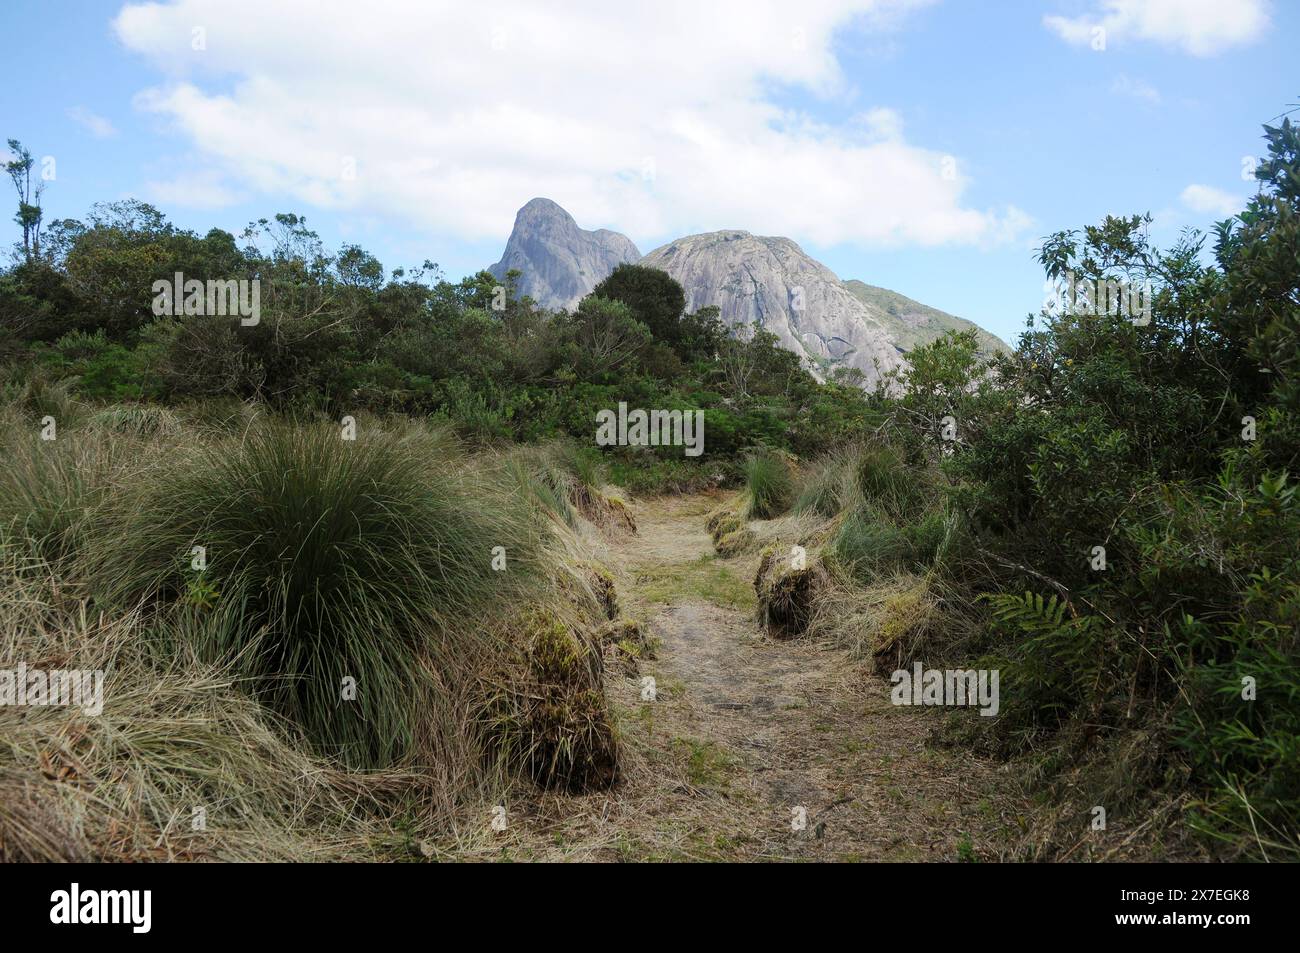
{"x":785,"y":594}
{"x":554,"y":723}
{"x":734,"y":543}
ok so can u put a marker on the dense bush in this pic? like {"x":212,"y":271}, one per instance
{"x":1124,"y":493}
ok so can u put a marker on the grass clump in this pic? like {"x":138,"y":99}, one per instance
{"x":731,"y":536}
{"x":786,"y":593}
{"x":141,"y":420}
{"x":550,"y":718}
{"x":885,"y":480}
{"x":630,"y":641}
{"x":830,"y":489}
{"x":867,"y":545}
{"x":769,"y":481}
{"x":566,"y":481}
{"x":344,"y":571}
{"x":50,"y":488}
{"x":734,"y":543}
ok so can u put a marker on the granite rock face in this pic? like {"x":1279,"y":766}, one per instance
{"x":750,"y":278}
{"x":772,"y":281}
{"x":560,"y":262}
{"x":914,"y":324}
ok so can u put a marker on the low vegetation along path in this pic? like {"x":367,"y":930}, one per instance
{"x":748,"y":736}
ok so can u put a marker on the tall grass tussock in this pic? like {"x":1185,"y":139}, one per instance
{"x":280,"y":607}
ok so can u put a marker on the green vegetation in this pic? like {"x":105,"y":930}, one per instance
{"x":706,"y":580}
{"x":1109,"y":517}
{"x":303,"y":632}
{"x":769,"y":481}
{"x":336,"y":336}
{"x":335,"y":560}
{"x":306,"y":629}
{"x":915,"y":324}
{"x":706,"y":764}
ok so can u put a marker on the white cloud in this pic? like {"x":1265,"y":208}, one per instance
{"x":1135,"y":89}
{"x":1199,"y":27}
{"x":651,"y":118}
{"x":198,"y":189}
{"x":1206,"y":199}
{"x":99,"y":127}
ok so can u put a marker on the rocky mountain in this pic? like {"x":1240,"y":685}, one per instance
{"x":559,"y":261}
{"x":914,"y":323}
{"x":831,"y":323}
{"x":770,"y":280}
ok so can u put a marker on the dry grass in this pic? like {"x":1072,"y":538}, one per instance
{"x":886,"y":621}
{"x":176,"y":737}
{"x":744,"y":729}
{"x":185,"y":733}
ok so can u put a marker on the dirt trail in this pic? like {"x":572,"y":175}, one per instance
{"x":745,"y":731}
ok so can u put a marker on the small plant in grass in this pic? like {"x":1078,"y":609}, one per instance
{"x":201,"y":594}
{"x":770,"y":483}
{"x":966,"y":851}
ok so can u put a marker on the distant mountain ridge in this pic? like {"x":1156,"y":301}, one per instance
{"x":919,"y":323}
{"x":749,"y":278}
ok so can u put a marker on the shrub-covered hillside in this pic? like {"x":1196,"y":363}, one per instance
{"x":338,"y":335}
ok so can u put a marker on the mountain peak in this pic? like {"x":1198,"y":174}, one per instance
{"x":560,"y":262}
{"x":750,"y":278}
{"x":542,"y":206}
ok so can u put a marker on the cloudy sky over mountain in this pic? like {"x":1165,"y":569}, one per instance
{"x":924,"y":145}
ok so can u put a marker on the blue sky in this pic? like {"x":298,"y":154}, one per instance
{"x":922,"y":146}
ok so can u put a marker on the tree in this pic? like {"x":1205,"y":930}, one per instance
{"x":358,"y":269}
{"x":604,"y":338}
{"x":655,"y":299}
{"x":29,"y":198}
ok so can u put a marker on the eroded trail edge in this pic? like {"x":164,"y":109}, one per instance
{"x":755,"y":748}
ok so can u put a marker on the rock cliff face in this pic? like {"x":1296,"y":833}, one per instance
{"x":559,"y":261}
{"x":771,"y":281}
{"x":750,"y":278}
{"x":914,"y":323}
